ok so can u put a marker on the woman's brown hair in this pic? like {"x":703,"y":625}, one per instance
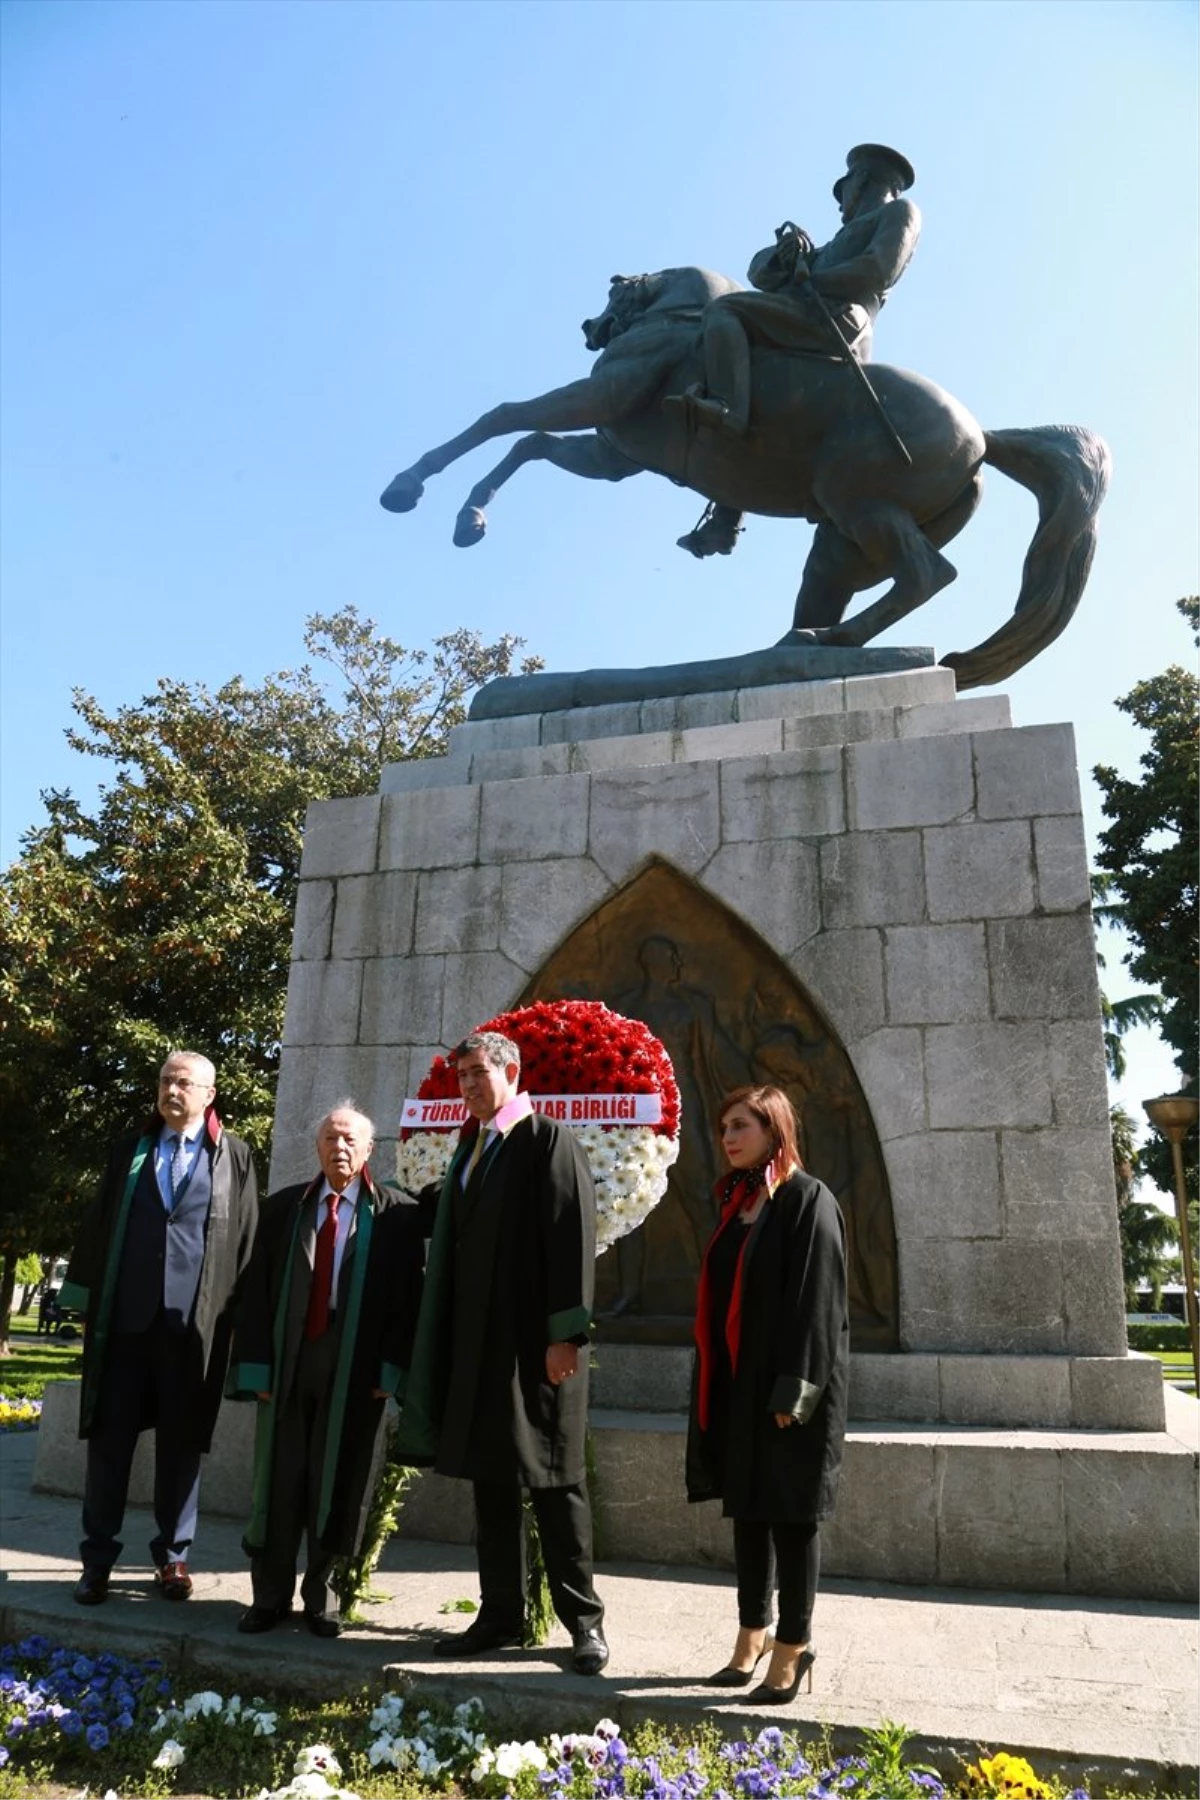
{"x":774,"y":1112}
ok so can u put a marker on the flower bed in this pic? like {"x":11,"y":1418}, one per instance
{"x":118,"y":1727}
{"x":19,"y":1414}
{"x":576,"y":1055}
{"x":54,"y":1700}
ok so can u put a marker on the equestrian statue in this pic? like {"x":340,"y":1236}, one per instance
{"x":766,"y":401}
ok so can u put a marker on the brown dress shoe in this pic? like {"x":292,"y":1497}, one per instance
{"x":174,"y":1582}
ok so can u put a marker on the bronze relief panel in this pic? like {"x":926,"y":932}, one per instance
{"x":729,"y":1011}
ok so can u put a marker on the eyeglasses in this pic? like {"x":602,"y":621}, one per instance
{"x":176,"y":1081}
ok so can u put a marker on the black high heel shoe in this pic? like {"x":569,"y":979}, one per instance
{"x":731,"y":1677}
{"x":773,"y":1696}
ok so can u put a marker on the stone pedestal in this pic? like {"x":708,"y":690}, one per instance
{"x":918,"y":867}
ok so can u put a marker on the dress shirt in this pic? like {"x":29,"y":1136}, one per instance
{"x":484,"y":1142}
{"x":163,"y":1152}
{"x":345,"y":1218}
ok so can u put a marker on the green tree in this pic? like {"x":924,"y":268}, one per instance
{"x":161,"y":916}
{"x":1149,"y":852}
{"x":1147,"y":1233}
{"x":1144,"y":1228}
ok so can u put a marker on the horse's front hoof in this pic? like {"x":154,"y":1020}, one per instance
{"x":401,"y":495}
{"x":821,"y":637}
{"x":470,"y":527}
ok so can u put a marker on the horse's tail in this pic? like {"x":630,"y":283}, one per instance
{"x":1066,"y":467}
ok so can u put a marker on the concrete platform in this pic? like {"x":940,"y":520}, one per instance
{"x":1098,"y":1690}
{"x":1042,"y":1509}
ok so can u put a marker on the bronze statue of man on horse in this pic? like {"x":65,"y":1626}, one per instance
{"x":765,"y":401}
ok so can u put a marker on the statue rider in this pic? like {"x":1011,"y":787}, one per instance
{"x":853,"y":274}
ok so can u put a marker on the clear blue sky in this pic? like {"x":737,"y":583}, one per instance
{"x":257,"y":255}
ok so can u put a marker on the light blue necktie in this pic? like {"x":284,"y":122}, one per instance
{"x":178,"y":1169}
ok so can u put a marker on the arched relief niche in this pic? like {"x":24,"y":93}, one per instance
{"x":729,"y":1011}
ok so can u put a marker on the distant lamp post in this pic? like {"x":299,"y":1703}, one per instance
{"x":1175,"y":1115}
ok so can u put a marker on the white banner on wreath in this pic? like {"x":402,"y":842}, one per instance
{"x":568,"y":1109}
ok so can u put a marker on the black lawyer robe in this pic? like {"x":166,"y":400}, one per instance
{"x":794,"y":1351}
{"x":379,"y":1298}
{"x":511,"y":1271}
{"x":91,"y":1280}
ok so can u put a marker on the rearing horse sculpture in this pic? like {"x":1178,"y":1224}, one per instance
{"x":816,"y":451}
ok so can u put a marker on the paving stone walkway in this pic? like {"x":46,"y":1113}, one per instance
{"x":1100,"y":1690}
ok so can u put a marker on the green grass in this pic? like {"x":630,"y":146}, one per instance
{"x":1176,"y":1368}
{"x":35,"y":1361}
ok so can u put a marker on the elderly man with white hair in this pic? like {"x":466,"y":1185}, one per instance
{"x":323,"y":1337}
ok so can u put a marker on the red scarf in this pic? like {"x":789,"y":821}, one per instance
{"x":735,"y":1193}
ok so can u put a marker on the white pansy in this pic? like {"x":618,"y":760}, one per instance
{"x":317,"y":1758}
{"x":200,"y":1705}
{"x":591,"y":1746}
{"x":310,"y":1786}
{"x":484,"y":1763}
{"x":171,"y":1716}
{"x":606,"y":1728}
{"x":264,"y":1723}
{"x":170,"y":1756}
{"x":513,"y":1759}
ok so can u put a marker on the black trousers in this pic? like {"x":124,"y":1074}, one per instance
{"x":147,"y":1375}
{"x":564,"y":1521}
{"x":297,"y":1462}
{"x":791,"y":1552}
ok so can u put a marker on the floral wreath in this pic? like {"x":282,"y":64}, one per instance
{"x":605,"y":1076}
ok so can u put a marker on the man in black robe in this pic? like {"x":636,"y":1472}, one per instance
{"x":323,"y":1337}
{"x":155,"y":1268}
{"x":498,"y":1393}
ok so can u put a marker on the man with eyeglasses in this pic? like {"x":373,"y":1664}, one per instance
{"x":155,"y":1270}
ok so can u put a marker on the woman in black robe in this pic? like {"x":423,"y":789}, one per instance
{"x":768,"y":1407}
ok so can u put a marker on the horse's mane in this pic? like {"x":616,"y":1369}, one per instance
{"x":687,"y":288}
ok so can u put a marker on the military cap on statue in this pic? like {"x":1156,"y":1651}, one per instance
{"x":880,"y":155}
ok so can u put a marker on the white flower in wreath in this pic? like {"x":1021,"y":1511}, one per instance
{"x":629,"y":1165}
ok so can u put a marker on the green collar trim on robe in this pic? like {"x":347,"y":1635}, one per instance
{"x":264,"y":1432}
{"x":267,"y":1412}
{"x":108,"y":1287}
{"x":420,"y":1424}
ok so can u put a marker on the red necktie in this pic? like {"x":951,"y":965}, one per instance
{"x":317,"y":1321}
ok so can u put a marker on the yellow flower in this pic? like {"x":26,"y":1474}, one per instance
{"x":1010,"y":1776}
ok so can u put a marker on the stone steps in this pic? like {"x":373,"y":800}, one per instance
{"x":1041,"y":1509}
{"x":1122,"y":1393}
{"x":1048,"y":1511}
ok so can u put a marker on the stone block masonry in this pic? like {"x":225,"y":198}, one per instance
{"x":918,"y":866}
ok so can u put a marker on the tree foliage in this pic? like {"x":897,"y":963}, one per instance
{"x":161,"y":915}
{"x":1147,"y":1233}
{"x":1149,"y":852}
